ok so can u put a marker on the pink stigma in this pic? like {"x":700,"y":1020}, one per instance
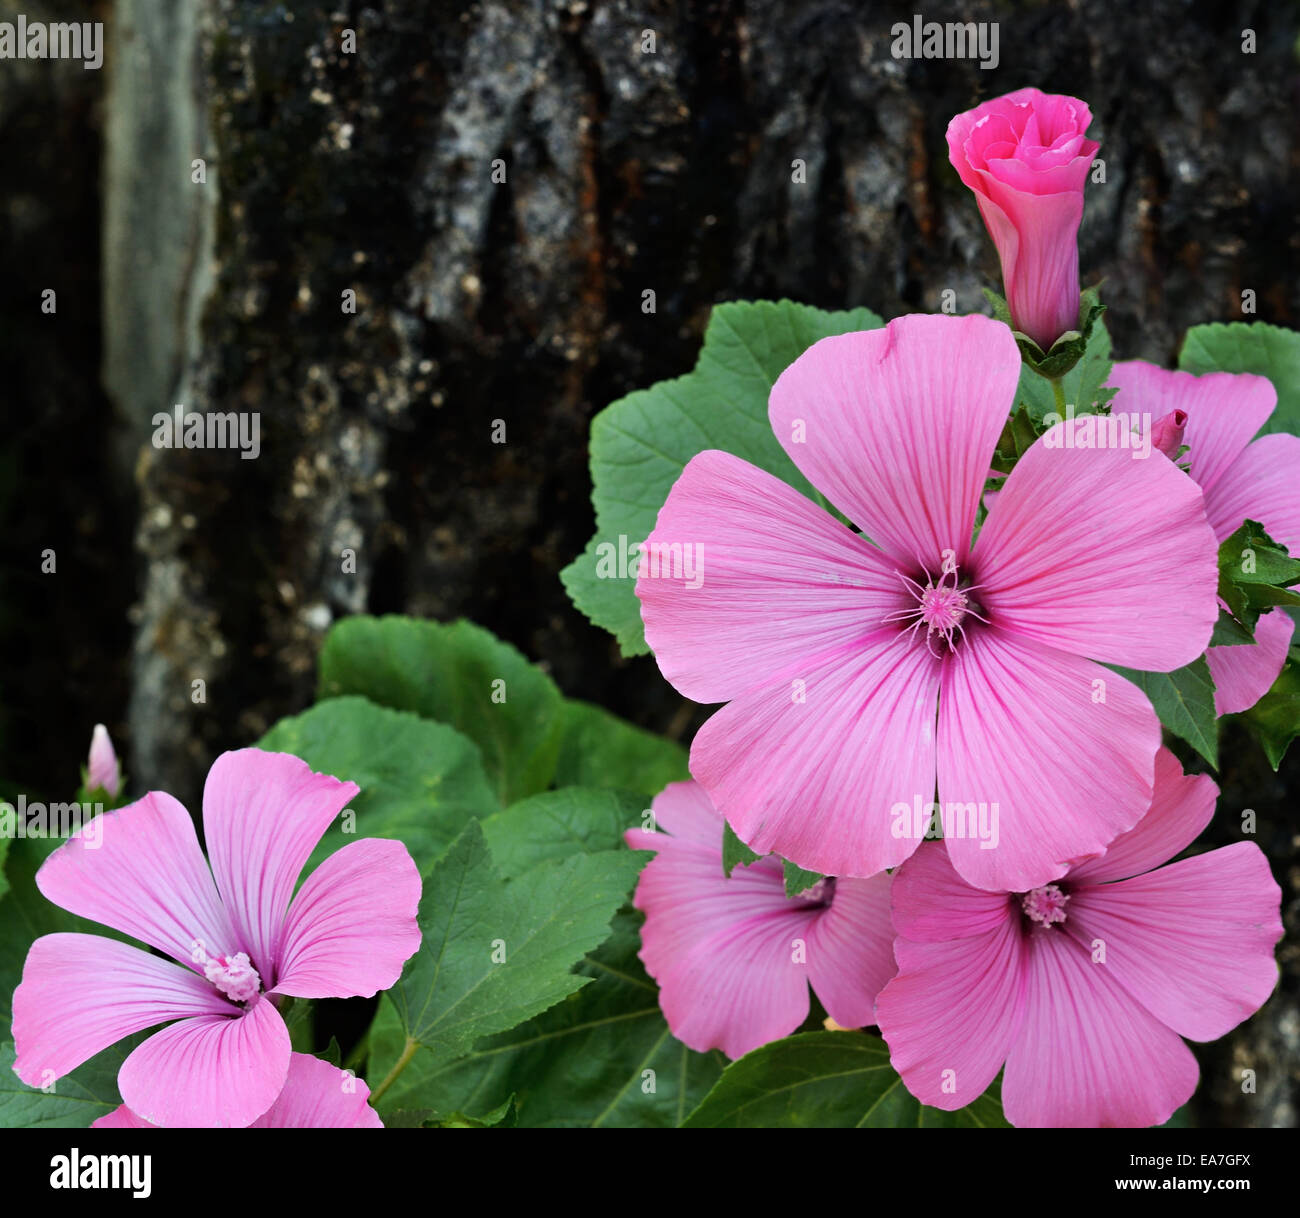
{"x":1045,"y":905}
{"x":940,"y":606}
{"x":235,"y":977}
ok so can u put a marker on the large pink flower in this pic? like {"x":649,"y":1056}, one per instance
{"x":734,"y":956}
{"x":1027,"y":159}
{"x":1083,"y":987}
{"x":1241,"y":480}
{"x":833,"y":652}
{"x":316,"y":1095}
{"x":242,"y":942}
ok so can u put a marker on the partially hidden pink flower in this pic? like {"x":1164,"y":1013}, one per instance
{"x":1242,"y":478}
{"x":1084,"y":987}
{"x":102,"y":770}
{"x":1027,"y":158}
{"x":859,"y":668}
{"x":240,"y":936}
{"x":734,"y":956}
{"x":316,"y":1095}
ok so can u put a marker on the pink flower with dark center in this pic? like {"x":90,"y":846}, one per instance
{"x":734,"y":956}
{"x":102,"y":770}
{"x":1242,"y":478}
{"x":242,"y":939}
{"x":1083,"y":987}
{"x":1027,"y":158}
{"x":316,"y":1095}
{"x":861,"y":667}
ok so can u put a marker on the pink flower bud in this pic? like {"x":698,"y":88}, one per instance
{"x":1167,"y":433}
{"x":1026,"y":158}
{"x":102,"y":769}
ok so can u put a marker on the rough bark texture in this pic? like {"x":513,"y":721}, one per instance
{"x":521,"y":301}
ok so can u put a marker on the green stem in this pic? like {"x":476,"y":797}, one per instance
{"x":1058,"y":392}
{"x":402,"y":1063}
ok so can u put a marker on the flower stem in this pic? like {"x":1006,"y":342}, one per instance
{"x":1058,"y":392}
{"x":401,"y":1064}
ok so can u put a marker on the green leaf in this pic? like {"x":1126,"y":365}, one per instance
{"x":1254,"y":574}
{"x":558,"y":824}
{"x":1184,"y":701}
{"x":497,"y":953}
{"x":503,"y":1116}
{"x":798,"y":880}
{"x":458,"y":674}
{"x":602,"y":1057}
{"x":598,"y":749}
{"x":734,"y":852}
{"x":421,"y":782}
{"x":1228,"y":632}
{"x":826,"y":1080}
{"x":77,"y":1099}
{"x":641,"y":443}
{"x":1275,"y":718}
{"x":1254,"y":346}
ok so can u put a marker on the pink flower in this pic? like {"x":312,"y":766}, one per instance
{"x":242,"y":942}
{"x":1241,"y":480}
{"x":1026,"y":158}
{"x":316,"y":1095}
{"x":833,"y":652}
{"x":102,"y":769}
{"x":1083,"y":987}
{"x":734,"y":956}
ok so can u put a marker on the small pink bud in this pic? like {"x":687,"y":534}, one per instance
{"x":102,"y":769}
{"x":1167,"y":433}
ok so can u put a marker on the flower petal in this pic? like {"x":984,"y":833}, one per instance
{"x":352,"y":925}
{"x":317,"y":1095}
{"x":1056,"y":753}
{"x":897,"y":426}
{"x":211,"y":1071}
{"x":851,"y":950}
{"x":139,"y":869}
{"x":1091,"y":551}
{"x":1088,"y":1054}
{"x":263,"y":814}
{"x":681,"y":810}
{"x":778,"y":581}
{"x":121,"y":1118}
{"x":1192,"y":942}
{"x":1261,"y":485}
{"x":81,"y":993}
{"x":810,"y":767}
{"x":1243,"y":674}
{"x":931,"y":903}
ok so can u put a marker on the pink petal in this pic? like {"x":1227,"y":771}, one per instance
{"x":1087,"y":1053}
{"x":931,"y":903}
{"x":850,"y":950}
{"x":1262,"y":484}
{"x":682,"y":810}
{"x":1181,"y":807}
{"x":81,"y":993}
{"x":263,"y":814}
{"x":121,"y":1118}
{"x":139,"y":869}
{"x":815,"y":779}
{"x":101,"y":766}
{"x":1099,"y":554}
{"x":953,"y":1012}
{"x":1224,"y":410}
{"x":352,"y":925}
{"x":210,"y":1071}
{"x":781,"y":582}
{"x":1019,"y":728}
{"x":1245,"y":673}
{"x":317,"y":1095}
{"x":900,"y":425}
{"x":1192,"y":942}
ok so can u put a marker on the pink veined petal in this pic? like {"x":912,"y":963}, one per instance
{"x":1245,"y":673}
{"x":850,"y":950}
{"x":139,"y":869}
{"x":897,"y":426}
{"x":1192,"y":942}
{"x":1099,"y":554}
{"x":780,"y":581}
{"x":1088,"y":1054}
{"x":683,"y":809}
{"x":352,"y":925}
{"x":81,"y":993}
{"x":953,"y":1012}
{"x":931,"y":903}
{"x":1181,"y":806}
{"x":121,"y":1118}
{"x":811,"y":766}
{"x":1262,"y":484}
{"x":1025,"y":728}
{"x":209,"y":1071}
{"x":263,"y":814}
{"x":317,"y":1095}
{"x":1224,"y":410}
